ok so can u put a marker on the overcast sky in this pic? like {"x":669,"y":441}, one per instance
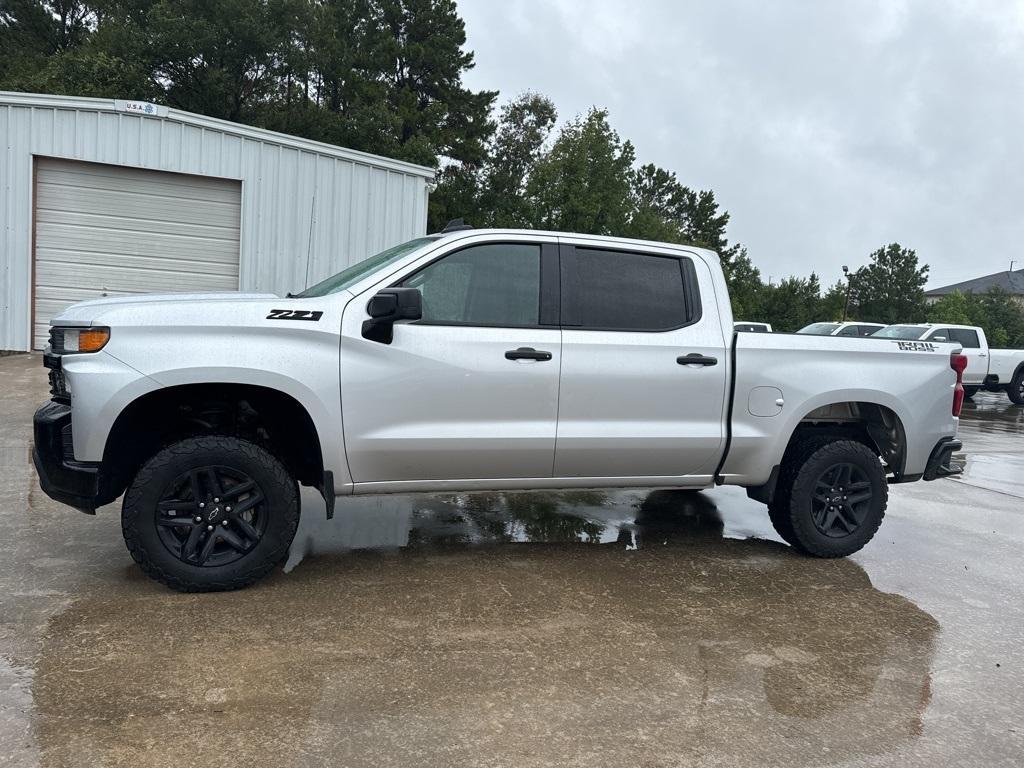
{"x":826,"y":129}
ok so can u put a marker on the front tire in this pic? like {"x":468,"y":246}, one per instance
{"x":970,"y":392}
{"x":210,"y":513}
{"x":831,"y":498}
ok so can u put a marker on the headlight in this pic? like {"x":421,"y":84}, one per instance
{"x":67,"y":340}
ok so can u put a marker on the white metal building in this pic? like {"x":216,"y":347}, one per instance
{"x":102,"y":197}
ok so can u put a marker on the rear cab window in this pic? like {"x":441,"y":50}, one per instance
{"x":622,"y":290}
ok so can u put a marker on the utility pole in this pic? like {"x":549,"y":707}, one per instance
{"x":846,"y":304}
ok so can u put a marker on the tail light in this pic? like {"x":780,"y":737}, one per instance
{"x":959,"y":364}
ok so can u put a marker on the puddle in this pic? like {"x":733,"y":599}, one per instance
{"x":630,"y":519}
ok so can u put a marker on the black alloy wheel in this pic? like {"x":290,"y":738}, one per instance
{"x":211,"y":516}
{"x":841,"y":500}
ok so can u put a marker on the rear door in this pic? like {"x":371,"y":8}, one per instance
{"x":630,"y":403}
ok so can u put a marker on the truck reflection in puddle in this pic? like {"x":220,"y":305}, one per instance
{"x":628,"y":518}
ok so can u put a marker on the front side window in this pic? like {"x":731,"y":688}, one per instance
{"x":497,"y":284}
{"x":850,"y":330}
{"x":623,"y":291}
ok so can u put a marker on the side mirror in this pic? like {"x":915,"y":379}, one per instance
{"x":939,"y":338}
{"x":386,"y":307}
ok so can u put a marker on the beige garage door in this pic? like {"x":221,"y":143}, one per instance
{"x":108,"y":230}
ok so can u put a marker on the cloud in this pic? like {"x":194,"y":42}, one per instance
{"x":826,"y":129}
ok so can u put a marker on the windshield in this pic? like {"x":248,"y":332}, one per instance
{"x":819,"y":329}
{"x":361,"y":269}
{"x":901,"y":332}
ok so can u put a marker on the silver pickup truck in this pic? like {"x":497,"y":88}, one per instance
{"x":474,"y":360}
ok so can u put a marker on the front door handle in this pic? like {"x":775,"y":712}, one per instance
{"x":527,"y":353}
{"x":696,"y":359}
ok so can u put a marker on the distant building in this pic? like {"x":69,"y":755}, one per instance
{"x":1011,"y":282}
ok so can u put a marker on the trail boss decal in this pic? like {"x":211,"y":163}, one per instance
{"x":295,"y":314}
{"x":916,"y":346}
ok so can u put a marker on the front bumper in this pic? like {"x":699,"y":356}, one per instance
{"x":79,"y":484}
{"x":940,"y":462}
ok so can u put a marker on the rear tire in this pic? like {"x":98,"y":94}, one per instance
{"x":1016,"y":389}
{"x":970,"y":392}
{"x":831,"y":497}
{"x":210,"y":513}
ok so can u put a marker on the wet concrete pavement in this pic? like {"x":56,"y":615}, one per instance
{"x":586,"y":628}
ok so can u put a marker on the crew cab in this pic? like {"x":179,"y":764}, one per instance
{"x":474,"y":360}
{"x":845,"y":328}
{"x":994,"y":370}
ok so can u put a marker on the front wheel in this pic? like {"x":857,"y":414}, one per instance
{"x":970,"y":392}
{"x":831,"y":498}
{"x":210,"y":513}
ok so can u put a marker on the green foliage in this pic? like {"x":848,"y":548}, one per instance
{"x":383,"y":76}
{"x":997,"y":312}
{"x":833,"y":302}
{"x":585,"y":181}
{"x":891,"y":288}
{"x":791,"y":304}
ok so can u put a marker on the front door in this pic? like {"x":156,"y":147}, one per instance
{"x":470,"y":391}
{"x":643,"y":368}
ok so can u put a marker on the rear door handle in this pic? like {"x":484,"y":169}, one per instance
{"x":527,"y":353}
{"x":696,"y":359}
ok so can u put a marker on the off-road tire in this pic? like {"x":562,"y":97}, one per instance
{"x":779,"y":506}
{"x":1016,"y":389}
{"x":792,"y":510}
{"x":139,"y":513}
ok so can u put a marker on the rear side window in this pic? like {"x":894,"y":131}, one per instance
{"x":627,"y":291}
{"x":965,"y":337}
{"x":867,"y":330}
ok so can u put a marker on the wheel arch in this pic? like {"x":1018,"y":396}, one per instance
{"x":274,"y":419}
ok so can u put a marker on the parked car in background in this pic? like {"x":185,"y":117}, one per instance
{"x":842,"y":329}
{"x":995,"y":370}
{"x":743,"y":325}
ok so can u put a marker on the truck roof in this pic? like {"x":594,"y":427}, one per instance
{"x":607,"y":240}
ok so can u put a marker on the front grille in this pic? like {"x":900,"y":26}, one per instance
{"x":58,"y":385}
{"x":56,"y":341}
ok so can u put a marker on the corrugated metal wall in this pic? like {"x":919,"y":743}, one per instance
{"x":308,"y":209}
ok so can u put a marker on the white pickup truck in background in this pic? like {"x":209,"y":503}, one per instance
{"x":474,"y":360}
{"x":994,"y":370}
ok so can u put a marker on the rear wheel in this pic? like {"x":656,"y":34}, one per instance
{"x":831,"y":497}
{"x":210,"y":513}
{"x":1016,"y":389}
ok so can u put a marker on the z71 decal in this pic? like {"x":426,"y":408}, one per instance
{"x":295,"y":314}
{"x":916,"y":346}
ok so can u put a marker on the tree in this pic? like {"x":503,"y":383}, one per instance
{"x":791,"y":304}
{"x":383,"y":76}
{"x":833,"y":302}
{"x":891,"y":288}
{"x":952,"y":308}
{"x":746,"y":291}
{"x":583,"y":184}
{"x":664,"y":209}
